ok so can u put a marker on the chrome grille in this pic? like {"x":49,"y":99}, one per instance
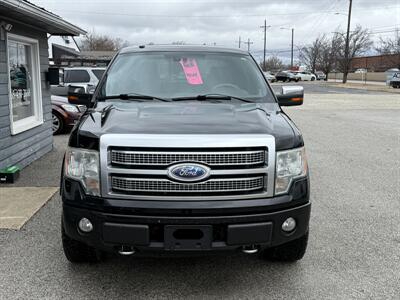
{"x":135,"y":166}
{"x":165,"y":185}
{"x":149,"y":158}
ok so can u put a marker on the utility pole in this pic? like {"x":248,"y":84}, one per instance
{"x":240,"y":41}
{"x":346,"y":51}
{"x":265,"y":41}
{"x":248,"y":44}
{"x":291,"y":57}
{"x":292,"y":45}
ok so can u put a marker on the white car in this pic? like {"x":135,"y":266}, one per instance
{"x":320,"y":75}
{"x":306,"y":76}
{"x":361,"y":71}
{"x":270,"y":77}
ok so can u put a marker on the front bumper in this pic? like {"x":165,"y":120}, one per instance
{"x":148,"y":233}
{"x":213,"y":225}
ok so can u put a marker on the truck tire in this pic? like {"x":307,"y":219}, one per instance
{"x":77,"y":252}
{"x":289,"y":252}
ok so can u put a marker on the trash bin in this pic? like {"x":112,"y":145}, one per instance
{"x":389,"y":74}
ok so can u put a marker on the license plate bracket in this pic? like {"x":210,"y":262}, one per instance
{"x":187,"y":237}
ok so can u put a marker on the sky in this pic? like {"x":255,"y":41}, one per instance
{"x":222,"y":22}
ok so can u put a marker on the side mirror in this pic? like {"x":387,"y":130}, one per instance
{"x":291,"y":95}
{"x":78,"y":96}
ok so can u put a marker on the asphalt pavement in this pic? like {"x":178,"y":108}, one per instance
{"x":353,"y":145}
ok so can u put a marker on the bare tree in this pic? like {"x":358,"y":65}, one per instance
{"x":273,"y":64}
{"x":359,"y":43}
{"x":328,"y":55}
{"x":310,"y":55}
{"x":97,"y":42}
{"x":391,"y":46}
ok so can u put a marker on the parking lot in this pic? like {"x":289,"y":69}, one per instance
{"x":353,"y":145}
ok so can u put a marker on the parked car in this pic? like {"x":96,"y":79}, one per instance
{"x":306,"y":76}
{"x":286,"y":76}
{"x":143,"y":173}
{"x":64,"y":114}
{"x":395,"y":81}
{"x":320,"y":75}
{"x":269,"y":76}
{"x":361,"y":70}
{"x":86,"y":77}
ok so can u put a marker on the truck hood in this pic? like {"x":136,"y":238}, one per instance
{"x":189,"y":118}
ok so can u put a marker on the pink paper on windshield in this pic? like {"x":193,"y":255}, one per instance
{"x":191,"y":70}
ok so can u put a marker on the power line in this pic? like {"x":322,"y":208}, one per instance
{"x":386,"y":31}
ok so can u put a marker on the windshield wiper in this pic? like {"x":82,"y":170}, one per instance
{"x":131,"y":96}
{"x":210,"y":97}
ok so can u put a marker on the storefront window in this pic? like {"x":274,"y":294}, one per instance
{"x":21,"y":80}
{"x":25,"y":102}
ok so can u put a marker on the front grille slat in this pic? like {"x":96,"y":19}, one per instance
{"x":128,"y":184}
{"x":139,"y":158}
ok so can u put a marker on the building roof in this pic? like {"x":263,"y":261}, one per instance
{"x":67,"y":50}
{"x":97,"y":54}
{"x":25,"y":12}
{"x":149,"y":48}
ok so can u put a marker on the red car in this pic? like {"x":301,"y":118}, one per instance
{"x":64,"y":115}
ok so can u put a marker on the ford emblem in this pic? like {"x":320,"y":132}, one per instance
{"x":188,"y":172}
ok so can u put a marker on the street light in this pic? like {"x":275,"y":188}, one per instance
{"x":291,"y":57}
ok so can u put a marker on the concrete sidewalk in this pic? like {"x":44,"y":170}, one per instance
{"x":368,"y":82}
{"x":18,"y":205}
{"x":37,"y":184}
{"x":373,"y":87}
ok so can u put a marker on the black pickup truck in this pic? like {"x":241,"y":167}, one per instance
{"x":185,"y":150}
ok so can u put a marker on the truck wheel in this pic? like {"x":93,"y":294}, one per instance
{"x":289,"y":252}
{"x":77,"y":252}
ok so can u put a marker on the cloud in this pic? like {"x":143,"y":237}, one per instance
{"x":223,"y":21}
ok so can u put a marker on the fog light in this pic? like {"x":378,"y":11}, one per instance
{"x":85,"y":225}
{"x":289,"y":224}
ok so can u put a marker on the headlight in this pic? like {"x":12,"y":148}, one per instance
{"x":83,"y":165}
{"x":91,"y":89}
{"x":70,"y":108}
{"x":290,"y":164}
{"x":82,"y":108}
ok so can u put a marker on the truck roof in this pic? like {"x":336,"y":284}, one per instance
{"x":85,"y":68}
{"x":173,"y":48}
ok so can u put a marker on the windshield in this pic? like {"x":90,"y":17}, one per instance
{"x":186,"y":74}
